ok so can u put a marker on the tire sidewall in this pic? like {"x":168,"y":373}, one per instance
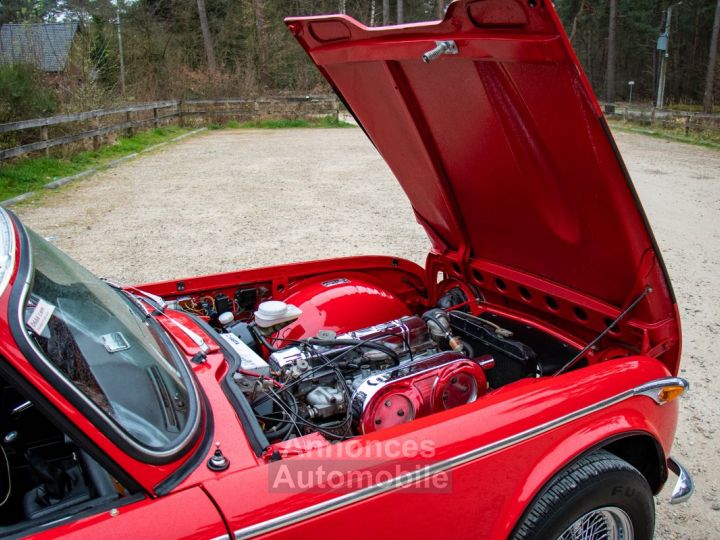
{"x":626,"y":490}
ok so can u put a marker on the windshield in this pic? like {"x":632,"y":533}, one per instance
{"x":107,"y":348}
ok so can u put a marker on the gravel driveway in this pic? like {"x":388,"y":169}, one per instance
{"x":225,"y":200}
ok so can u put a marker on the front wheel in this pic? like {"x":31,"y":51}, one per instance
{"x":597,"y":497}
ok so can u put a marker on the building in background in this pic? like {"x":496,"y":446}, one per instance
{"x":48,"y":46}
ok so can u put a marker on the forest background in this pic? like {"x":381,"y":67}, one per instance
{"x":143,"y":50}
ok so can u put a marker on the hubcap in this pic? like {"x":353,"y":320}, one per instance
{"x":609,"y":523}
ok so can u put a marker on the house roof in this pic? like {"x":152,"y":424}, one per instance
{"x":46,"y":45}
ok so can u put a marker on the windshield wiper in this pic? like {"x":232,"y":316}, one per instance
{"x":159,"y":305}
{"x":133,"y":293}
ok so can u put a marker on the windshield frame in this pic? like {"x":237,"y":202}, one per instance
{"x":197,"y":411}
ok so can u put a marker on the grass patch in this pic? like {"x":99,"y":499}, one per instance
{"x":324,"y":122}
{"x":33,"y":173}
{"x":708,"y":139}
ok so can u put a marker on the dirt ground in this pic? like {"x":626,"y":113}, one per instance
{"x":225,"y":200}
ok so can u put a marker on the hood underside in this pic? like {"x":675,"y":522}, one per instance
{"x":500,"y":146}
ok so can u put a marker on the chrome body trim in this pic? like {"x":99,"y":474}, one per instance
{"x":685,"y":486}
{"x":297,"y":516}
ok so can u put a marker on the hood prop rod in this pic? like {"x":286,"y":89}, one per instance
{"x":602,"y":334}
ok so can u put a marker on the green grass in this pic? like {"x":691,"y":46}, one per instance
{"x":324,"y":122}
{"x":33,"y":173}
{"x":708,"y":139}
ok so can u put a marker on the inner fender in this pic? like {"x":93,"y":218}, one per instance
{"x":340,"y":305}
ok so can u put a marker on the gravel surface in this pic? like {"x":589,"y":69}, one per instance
{"x":225,"y":200}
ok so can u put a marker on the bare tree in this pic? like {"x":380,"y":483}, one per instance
{"x":207,"y":36}
{"x":712,"y":61}
{"x":610,"y":71}
{"x":575,"y":20}
{"x":386,"y":12}
{"x":400,"y":12}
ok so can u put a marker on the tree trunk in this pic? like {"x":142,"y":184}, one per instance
{"x":207,"y":37}
{"x":386,"y":12}
{"x":575,"y":21}
{"x":712,"y":61}
{"x":262,"y":50}
{"x":400,"y":12}
{"x":440,"y":6}
{"x":372,"y":12}
{"x":610,"y":71}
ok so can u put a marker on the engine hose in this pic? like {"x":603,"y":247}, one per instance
{"x":281,"y":429}
{"x":428,"y":316}
{"x":358,"y":343}
{"x":265,"y":343}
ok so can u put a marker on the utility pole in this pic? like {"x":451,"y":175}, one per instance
{"x":121,"y":52}
{"x":712,"y":61}
{"x":662,"y":46}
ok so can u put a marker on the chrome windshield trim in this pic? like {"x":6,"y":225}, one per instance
{"x":7,"y":249}
{"x":297,"y":516}
{"x":685,"y":486}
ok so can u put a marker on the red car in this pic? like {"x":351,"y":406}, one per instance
{"x":522,"y":384}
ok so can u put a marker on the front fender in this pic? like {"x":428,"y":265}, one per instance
{"x":637,"y":417}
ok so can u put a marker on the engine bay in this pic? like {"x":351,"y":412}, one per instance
{"x":304,"y":369}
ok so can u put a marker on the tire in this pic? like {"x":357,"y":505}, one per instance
{"x":597,"y":497}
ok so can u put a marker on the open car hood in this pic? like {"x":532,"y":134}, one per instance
{"x":501,"y":147}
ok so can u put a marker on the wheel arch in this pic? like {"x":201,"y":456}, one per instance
{"x":638,"y":448}
{"x":642,"y":451}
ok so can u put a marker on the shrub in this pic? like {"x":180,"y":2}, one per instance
{"x":23,"y":94}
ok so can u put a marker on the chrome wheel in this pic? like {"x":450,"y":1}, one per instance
{"x":609,"y":523}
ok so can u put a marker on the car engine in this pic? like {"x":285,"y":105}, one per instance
{"x":304,"y":369}
{"x":357,"y":382}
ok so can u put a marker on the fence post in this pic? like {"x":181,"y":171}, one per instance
{"x":156,"y":122}
{"x":181,"y":118}
{"x":97,"y":139}
{"x":44,"y":137}
{"x":128,"y":118}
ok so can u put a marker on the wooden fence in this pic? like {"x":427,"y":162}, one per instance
{"x":42,"y":134}
{"x":650,"y":116}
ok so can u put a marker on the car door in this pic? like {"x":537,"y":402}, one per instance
{"x":187,"y":515}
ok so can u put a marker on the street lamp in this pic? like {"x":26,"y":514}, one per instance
{"x":662,"y":47}
{"x":631,"y":84}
